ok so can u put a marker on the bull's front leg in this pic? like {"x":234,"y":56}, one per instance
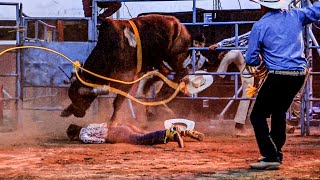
{"x":116,"y":108}
{"x":180,"y":74}
{"x":176,"y":62}
{"x":118,"y":101}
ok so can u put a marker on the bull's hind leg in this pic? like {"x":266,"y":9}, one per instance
{"x":152,"y":111}
{"x":166,"y":91}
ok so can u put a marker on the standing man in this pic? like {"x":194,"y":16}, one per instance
{"x":198,"y":41}
{"x":278,"y":37}
{"x":236,"y":57}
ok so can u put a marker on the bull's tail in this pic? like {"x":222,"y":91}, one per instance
{"x":181,"y":39}
{"x":177,"y":31}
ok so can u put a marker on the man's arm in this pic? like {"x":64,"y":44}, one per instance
{"x":254,"y":49}
{"x":312,"y":1}
{"x":310,"y":14}
{"x":242,"y":40}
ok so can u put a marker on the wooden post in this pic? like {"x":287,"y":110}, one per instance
{"x":60,"y":26}
{"x":1,"y":105}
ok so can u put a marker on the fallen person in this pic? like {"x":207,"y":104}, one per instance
{"x":102,"y":133}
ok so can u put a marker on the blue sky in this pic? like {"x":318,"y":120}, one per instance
{"x":73,"y":8}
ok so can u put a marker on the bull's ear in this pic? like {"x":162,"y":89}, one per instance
{"x":70,"y":79}
{"x":67,"y":111}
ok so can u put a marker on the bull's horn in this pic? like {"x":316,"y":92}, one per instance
{"x":95,"y":91}
{"x":85,"y":91}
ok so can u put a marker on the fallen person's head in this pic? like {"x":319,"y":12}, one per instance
{"x":73,"y":132}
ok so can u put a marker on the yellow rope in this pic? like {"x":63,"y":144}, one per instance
{"x":35,"y":47}
{"x":251,"y":90}
{"x":139,"y":48}
{"x":77,"y":65}
{"x":180,"y":87}
{"x":151,"y":73}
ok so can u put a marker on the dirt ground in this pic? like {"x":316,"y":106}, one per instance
{"x":41,"y":150}
{"x":22,"y":156}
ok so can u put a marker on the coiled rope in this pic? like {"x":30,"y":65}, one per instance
{"x":260,"y":72}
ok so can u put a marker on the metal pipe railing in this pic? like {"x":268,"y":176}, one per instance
{"x":9,"y":4}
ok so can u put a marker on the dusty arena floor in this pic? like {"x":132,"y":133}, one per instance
{"x":41,"y":150}
{"x":218,"y":157}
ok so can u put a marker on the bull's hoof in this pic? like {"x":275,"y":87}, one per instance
{"x":65,"y":113}
{"x":79,"y":114}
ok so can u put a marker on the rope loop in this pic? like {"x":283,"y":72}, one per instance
{"x":260,"y":72}
{"x":76,"y":64}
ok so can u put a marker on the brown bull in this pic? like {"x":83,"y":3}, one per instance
{"x":163,"y":38}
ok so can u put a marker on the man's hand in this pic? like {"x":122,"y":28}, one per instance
{"x":213,"y":47}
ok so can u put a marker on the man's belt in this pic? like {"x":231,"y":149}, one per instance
{"x":288,"y":73}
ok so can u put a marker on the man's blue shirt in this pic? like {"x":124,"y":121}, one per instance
{"x":278,"y":37}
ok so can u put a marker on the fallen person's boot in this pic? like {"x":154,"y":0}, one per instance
{"x":193,"y":134}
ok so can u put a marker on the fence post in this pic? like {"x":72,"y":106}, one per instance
{"x":1,"y":105}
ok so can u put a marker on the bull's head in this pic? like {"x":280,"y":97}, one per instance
{"x":81,"y":99}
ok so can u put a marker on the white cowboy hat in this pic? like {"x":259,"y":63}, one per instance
{"x":198,"y":83}
{"x":183,"y":124}
{"x":274,"y":4}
